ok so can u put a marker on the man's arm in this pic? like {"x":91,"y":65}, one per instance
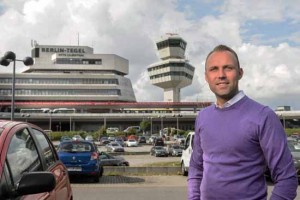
{"x":196,"y":167}
{"x":279,"y":159}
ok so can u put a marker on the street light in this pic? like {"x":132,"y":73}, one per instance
{"x":5,"y":60}
{"x":151,"y":125}
{"x":177,"y":122}
{"x":161,"y":124}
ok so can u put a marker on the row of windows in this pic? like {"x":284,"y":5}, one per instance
{"x":172,"y":74}
{"x":172,"y":64}
{"x":171,"y":43}
{"x":76,"y":92}
{"x":78,"y":61}
{"x":56,"y":81}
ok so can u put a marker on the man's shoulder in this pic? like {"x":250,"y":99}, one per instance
{"x":255,"y":106}
{"x":207,"y":109}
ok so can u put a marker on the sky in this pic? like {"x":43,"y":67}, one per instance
{"x":265,"y":35}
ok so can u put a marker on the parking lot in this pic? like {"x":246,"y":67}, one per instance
{"x":143,"y":156}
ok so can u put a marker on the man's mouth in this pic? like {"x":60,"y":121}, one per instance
{"x":222,"y":83}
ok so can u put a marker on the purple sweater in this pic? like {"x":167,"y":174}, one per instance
{"x":231,"y":148}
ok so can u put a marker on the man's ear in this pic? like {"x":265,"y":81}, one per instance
{"x":241,"y":73}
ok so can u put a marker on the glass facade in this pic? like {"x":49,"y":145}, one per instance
{"x":172,"y":74}
{"x":172,"y":64}
{"x":56,"y":81}
{"x":171,"y":43}
{"x":57,"y":92}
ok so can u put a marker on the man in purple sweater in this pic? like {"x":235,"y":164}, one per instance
{"x":236,"y":139}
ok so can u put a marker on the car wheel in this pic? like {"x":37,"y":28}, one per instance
{"x":96,"y":178}
{"x":184,"y":172}
{"x":101,"y":171}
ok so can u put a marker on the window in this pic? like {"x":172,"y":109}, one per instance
{"x":22,"y":155}
{"x":47,"y":151}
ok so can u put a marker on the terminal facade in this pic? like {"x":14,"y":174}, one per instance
{"x":72,"y":88}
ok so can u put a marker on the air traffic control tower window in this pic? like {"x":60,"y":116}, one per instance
{"x":171,"y":43}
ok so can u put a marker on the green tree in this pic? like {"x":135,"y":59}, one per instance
{"x":145,"y":125}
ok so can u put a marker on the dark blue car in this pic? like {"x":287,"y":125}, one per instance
{"x":81,"y":158}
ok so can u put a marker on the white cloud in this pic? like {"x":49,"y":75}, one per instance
{"x":129,"y":28}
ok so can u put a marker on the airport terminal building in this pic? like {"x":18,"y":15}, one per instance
{"x":94,"y":87}
{"x":69,"y":73}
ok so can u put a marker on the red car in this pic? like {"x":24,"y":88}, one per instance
{"x":29,"y":165}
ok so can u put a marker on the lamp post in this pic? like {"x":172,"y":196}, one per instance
{"x":161,"y":124}
{"x":50,"y":120}
{"x":177,"y":121}
{"x":151,"y":125}
{"x":5,"y":60}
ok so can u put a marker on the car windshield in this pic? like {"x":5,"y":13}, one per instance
{"x":76,"y":147}
{"x":114,"y":144}
{"x":176,"y":147}
{"x":159,"y":147}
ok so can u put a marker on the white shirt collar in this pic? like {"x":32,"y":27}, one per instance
{"x":232,"y":101}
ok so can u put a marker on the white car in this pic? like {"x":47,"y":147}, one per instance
{"x":186,"y":153}
{"x":131,"y":143}
{"x":77,"y":137}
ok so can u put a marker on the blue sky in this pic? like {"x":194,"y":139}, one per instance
{"x":265,"y":34}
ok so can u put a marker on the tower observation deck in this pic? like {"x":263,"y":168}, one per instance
{"x":173,"y":72}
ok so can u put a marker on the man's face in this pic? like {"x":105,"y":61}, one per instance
{"x":222,"y":75}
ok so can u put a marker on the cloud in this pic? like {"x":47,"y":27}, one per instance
{"x":129,"y":28}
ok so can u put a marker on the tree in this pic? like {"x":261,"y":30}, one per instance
{"x":145,"y":125}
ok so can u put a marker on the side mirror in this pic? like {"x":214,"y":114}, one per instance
{"x":35,"y":182}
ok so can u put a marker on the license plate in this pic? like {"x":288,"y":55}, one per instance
{"x":75,"y":169}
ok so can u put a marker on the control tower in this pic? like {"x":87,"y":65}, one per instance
{"x":173,"y":72}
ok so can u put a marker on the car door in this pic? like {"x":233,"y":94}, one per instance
{"x":53,"y":164}
{"x":22,"y":156}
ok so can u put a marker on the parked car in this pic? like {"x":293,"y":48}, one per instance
{"x":186,"y":153}
{"x":29,"y":164}
{"x":136,"y":129}
{"x":111,"y":138}
{"x":152,"y":138}
{"x":89,"y":138}
{"x":77,"y":137}
{"x":81,"y":158}
{"x":109,"y":160}
{"x":104,"y":140}
{"x":142,"y":140}
{"x":65,"y":138}
{"x":159,"y":142}
{"x":113,"y":130}
{"x":120,"y":141}
{"x":174,"y":150}
{"x":296,"y":157}
{"x":158,"y":151}
{"x":179,"y":138}
{"x":114,"y":147}
{"x":131,"y":143}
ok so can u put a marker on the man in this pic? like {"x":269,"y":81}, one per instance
{"x":235,"y":139}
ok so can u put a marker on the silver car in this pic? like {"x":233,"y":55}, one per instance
{"x":114,"y":147}
{"x":158,"y":151}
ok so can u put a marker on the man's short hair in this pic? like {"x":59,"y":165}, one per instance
{"x":221,"y":48}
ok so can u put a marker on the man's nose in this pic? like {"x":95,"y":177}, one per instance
{"x":222,"y":74}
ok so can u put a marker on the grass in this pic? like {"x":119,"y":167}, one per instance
{"x":163,"y":164}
